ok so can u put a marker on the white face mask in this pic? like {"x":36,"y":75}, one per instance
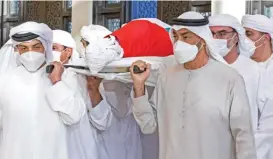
{"x":222,"y":44}
{"x":251,"y":45}
{"x":56,"y":56}
{"x":32,"y":61}
{"x":185,"y":52}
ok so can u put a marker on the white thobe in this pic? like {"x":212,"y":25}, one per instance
{"x":123,"y":138}
{"x":34,"y":113}
{"x":250,"y":72}
{"x":264,"y":133}
{"x":265,"y":91}
{"x":201,"y":114}
{"x":83,"y":137}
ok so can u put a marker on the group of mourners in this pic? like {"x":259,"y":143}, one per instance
{"x":199,"y":88}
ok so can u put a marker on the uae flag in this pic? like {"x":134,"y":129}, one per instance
{"x":141,"y":38}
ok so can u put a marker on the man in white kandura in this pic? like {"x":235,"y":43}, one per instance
{"x":230,"y":37}
{"x":35,"y":107}
{"x":259,"y":29}
{"x":122,"y":139}
{"x":199,"y":106}
{"x":83,"y":138}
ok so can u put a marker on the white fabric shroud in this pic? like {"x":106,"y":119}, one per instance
{"x":100,"y":50}
{"x":95,"y":32}
{"x":158,"y":66}
{"x":231,"y":21}
{"x":44,"y":32}
{"x":64,"y":38}
{"x":158,"y":22}
{"x":201,"y":31}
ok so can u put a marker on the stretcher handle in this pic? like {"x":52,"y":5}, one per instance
{"x":137,"y":70}
{"x":49,"y":68}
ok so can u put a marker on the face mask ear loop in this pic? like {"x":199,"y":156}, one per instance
{"x":257,"y":41}
{"x":201,"y":45}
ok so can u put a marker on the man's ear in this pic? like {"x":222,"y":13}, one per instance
{"x":267,"y":36}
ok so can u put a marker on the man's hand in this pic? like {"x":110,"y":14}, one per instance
{"x":93,"y":84}
{"x":139,"y":79}
{"x":57,"y":72}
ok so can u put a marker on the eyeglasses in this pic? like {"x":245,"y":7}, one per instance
{"x":222,"y":34}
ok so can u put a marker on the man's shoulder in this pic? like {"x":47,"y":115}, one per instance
{"x":224,"y":72}
{"x":173,"y":70}
{"x":214,"y":66}
{"x":248,"y":62}
{"x":8,"y":75}
{"x":15,"y":71}
{"x":214,"y":69}
{"x":248,"y":68}
{"x":224,"y":69}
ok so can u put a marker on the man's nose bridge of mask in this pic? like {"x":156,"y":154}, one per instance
{"x":231,"y":42}
{"x":236,"y":38}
